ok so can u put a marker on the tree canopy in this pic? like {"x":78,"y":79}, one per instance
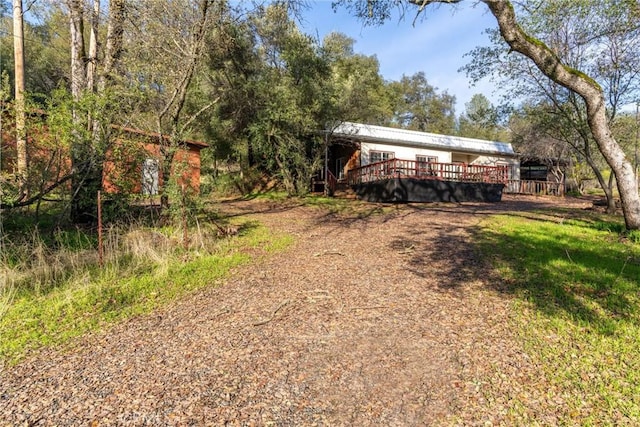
{"x":244,"y":77}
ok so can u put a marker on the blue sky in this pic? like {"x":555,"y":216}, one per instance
{"x":435,"y":44}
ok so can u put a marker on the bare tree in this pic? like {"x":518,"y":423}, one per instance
{"x":174,"y":34}
{"x":113,"y":48}
{"x":90,"y":133}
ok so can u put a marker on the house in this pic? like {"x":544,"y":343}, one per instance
{"x":134,"y":162}
{"x":399,"y":165}
{"x":541,"y":173}
{"x":131,"y":163}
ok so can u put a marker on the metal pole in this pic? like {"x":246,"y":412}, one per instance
{"x":326,"y":162}
{"x":100,"y":243}
{"x":185,"y":235}
{"x":635,"y":157}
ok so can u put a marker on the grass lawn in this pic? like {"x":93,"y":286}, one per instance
{"x":576,"y":279}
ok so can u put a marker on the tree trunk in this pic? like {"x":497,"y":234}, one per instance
{"x":21,"y":133}
{"x":165,"y":175}
{"x":83,"y":183}
{"x":172,"y":111}
{"x":92,"y":60}
{"x":101,"y":126}
{"x":113,"y":48}
{"x":551,"y":65}
{"x":78,"y":57}
{"x":607,"y":188}
{"x":101,"y":129}
{"x":608,"y":192}
{"x":611,"y":202}
{"x":617,"y":160}
{"x":87,"y":160}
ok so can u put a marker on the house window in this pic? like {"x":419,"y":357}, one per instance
{"x":380,"y":156}
{"x":150,"y":177}
{"x":425,"y":165}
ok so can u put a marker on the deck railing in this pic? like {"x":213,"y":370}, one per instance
{"x":544,"y":188}
{"x":331,"y":184}
{"x":398,"y":168}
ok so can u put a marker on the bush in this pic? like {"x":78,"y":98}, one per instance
{"x":236,"y":183}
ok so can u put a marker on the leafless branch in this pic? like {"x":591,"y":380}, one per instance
{"x":273,"y":315}
{"x":31,"y":200}
{"x":197,"y":114}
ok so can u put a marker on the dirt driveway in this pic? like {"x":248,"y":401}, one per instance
{"x":372,"y":320}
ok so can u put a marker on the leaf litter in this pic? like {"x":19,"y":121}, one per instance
{"x":386,"y":319}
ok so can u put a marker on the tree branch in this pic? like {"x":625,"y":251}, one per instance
{"x":195,"y":116}
{"x":40,"y":195}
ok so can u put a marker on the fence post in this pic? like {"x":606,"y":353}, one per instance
{"x":185,"y":235}
{"x":100,"y":243}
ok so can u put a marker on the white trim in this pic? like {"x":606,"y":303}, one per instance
{"x":383,"y":154}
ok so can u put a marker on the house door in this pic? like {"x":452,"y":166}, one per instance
{"x":150,"y":177}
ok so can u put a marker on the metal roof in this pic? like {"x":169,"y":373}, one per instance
{"x":412,"y":138}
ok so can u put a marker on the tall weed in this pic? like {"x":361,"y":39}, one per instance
{"x":35,"y":264}
{"x":52,"y":287}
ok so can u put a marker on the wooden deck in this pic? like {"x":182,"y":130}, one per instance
{"x":457,"y":172}
{"x":398,"y":180}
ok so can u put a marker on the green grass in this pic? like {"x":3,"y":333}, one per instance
{"x":346,"y":207}
{"x":256,"y":236}
{"x":351,"y":208}
{"x":270,"y":195}
{"x":577,"y":287}
{"x":137,"y":282}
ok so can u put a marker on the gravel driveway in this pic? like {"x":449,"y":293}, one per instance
{"x":382,"y":319}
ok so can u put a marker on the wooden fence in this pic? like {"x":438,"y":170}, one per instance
{"x":542,"y":188}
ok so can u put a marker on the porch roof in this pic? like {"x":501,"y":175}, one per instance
{"x":393,"y":136}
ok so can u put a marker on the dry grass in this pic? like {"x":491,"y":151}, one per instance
{"x":52,"y":286}
{"x":37,"y":264}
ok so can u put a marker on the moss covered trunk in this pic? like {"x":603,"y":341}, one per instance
{"x":552,"y":66}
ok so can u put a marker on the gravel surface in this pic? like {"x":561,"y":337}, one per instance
{"x":382,"y":319}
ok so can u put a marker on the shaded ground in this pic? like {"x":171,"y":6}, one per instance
{"x":371,"y":320}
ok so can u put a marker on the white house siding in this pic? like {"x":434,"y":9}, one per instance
{"x":410,"y":153}
{"x":407,"y":144}
{"x":513,"y":163}
{"x":401,"y":152}
{"x":463,"y":158}
{"x":411,"y":138}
